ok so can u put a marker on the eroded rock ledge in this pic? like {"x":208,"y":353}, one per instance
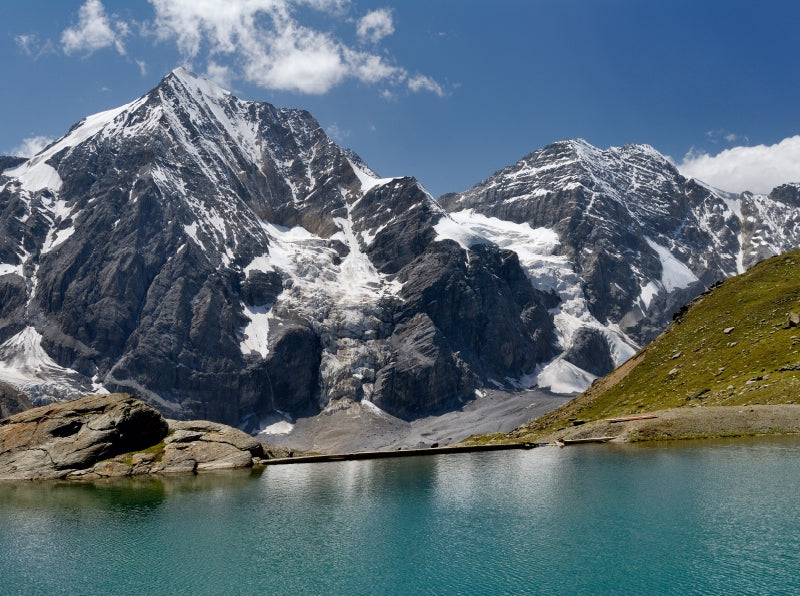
{"x":116,"y":435}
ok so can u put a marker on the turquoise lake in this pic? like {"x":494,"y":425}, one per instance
{"x":718,"y":517}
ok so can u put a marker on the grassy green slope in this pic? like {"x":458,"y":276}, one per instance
{"x":732,"y":346}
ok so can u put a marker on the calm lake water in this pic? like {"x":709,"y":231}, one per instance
{"x":703,"y":517}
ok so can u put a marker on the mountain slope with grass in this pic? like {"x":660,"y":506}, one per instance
{"x":736,"y":345}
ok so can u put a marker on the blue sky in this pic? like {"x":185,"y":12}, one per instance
{"x":445,"y":90}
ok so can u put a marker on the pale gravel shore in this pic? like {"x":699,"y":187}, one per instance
{"x":352,"y":427}
{"x":685,"y":423}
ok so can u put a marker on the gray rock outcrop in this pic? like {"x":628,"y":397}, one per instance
{"x":113,"y":435}
{"x":12,"y":401}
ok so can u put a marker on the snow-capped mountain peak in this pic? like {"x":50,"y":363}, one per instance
{"x":636,"y":240}
{"x":225,"y":259}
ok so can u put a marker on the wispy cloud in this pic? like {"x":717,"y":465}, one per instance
{"x":721,"y":135}
{"x":94,"y":31}
{"x":425,"y":83}
{"x":27,"y":43}
{"x":219,"y":73}
{"x":263,"y":42}
{"x":31,"y":146}
{"x":337,"y":133}
{"x":375,"y":25}
{"x":758,"y":168}
{"x":31,"y":45}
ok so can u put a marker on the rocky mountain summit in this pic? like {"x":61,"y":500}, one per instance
{"x":226,"y":260}
{"x":623,"y":239}
{"x":115,"y":435}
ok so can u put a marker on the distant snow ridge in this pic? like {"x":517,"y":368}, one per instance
{"x":225,"y":259}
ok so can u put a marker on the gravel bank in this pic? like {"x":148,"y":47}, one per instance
{"x":685,"y":423}
{"x":352,"y":427}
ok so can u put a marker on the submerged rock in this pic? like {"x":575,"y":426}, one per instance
{"x":115,"y":435}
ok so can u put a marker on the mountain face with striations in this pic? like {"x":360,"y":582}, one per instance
{"x":226,"y":260}
{"x":623,"y":239}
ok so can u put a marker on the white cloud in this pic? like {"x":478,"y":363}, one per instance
{"x":94,"y":31}
{"x":27,"y":43}
{"x":758,"y":169}
{"x":259,"y":41}
{"x":31,"y":45}
{"x":263,"y":42}
{"x":337,"y":133}
{"x":370,"y":68}
{"x":733,"y":138}
{"x":375,"y":25}
{"x":31,"y":146}
{"x":219,"y":73}
{"x":297,"y":59}
{"x":721,"y":135}
{"x":425,"y":83}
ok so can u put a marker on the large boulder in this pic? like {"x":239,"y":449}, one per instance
{"x":52,"y":441}
{"x":116,"y":435}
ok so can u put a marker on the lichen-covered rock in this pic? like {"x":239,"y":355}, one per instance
{"x":190,"y":446}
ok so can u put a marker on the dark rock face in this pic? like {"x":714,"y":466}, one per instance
{"x":9,"y":161}
{"x":292,"y":368}
{"x":486,"y":307}
{"x":261,"y":288}
{"x":465,"y":320}
{"x":423,"y":366}
{"x":13,"y":294}
{"x":12,"y":401}
{"x":589,"y":351}
{"x":401,"y":216}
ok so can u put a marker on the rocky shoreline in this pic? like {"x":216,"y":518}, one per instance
{"x":116,"y":435}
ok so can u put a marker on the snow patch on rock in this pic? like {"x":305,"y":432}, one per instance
{"x":560,"y":376}
{"x":674,"y":274}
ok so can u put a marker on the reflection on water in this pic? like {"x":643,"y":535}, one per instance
{"x":707,"y":517}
